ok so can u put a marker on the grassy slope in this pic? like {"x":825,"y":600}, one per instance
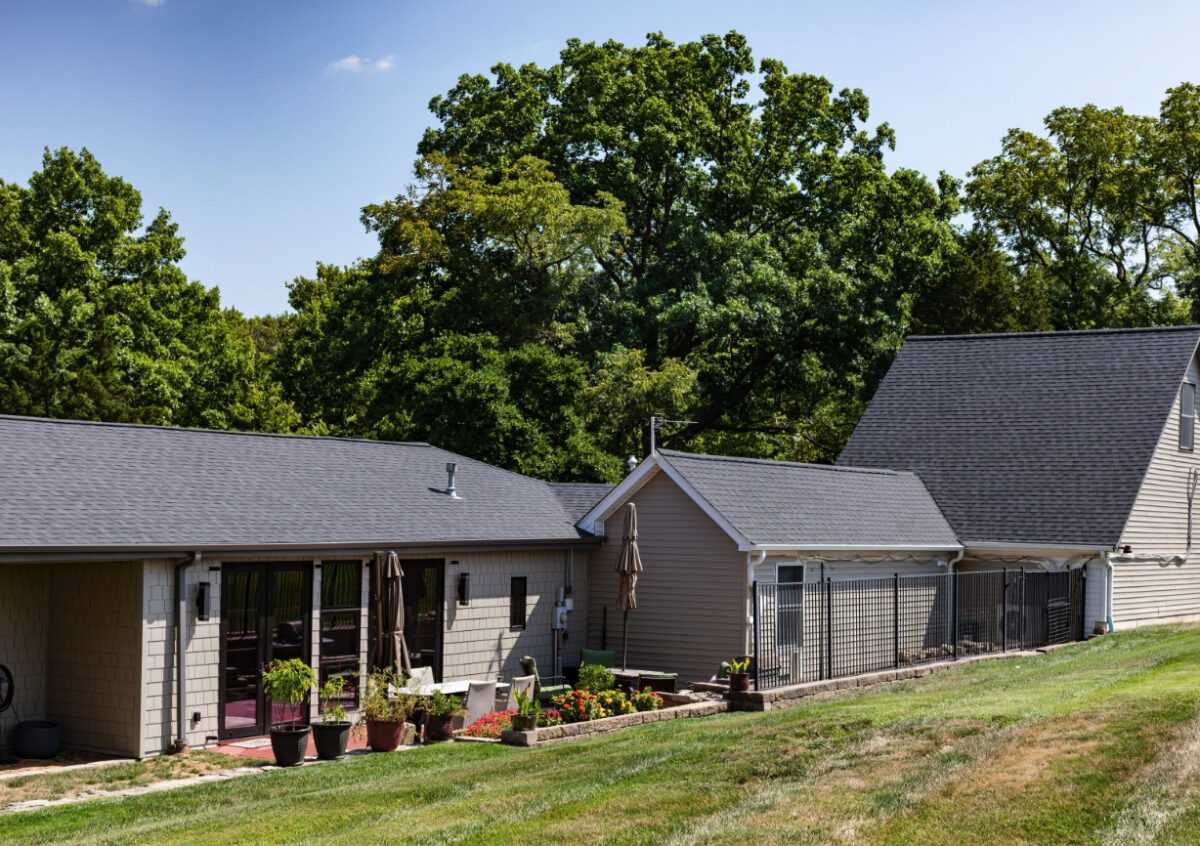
{"x":1092,"y":744}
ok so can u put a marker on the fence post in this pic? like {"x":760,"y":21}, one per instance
{"x":757,"y":621}
{"x":1004,"y":611}
{"x":954,"y":612}
{"x":828,"y":629}
{"x":896,"y":614}
{"x":1022,"y":615}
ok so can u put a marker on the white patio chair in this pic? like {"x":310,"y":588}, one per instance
{"x":481,"y":699}
{"x":524,"y":683}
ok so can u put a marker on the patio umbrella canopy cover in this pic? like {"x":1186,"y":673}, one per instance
{"x":629,"y":564}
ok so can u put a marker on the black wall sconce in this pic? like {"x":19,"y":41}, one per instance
{"x":464,"y":588}
{"x":202,"y":602}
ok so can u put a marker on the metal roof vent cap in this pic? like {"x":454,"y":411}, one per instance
{"x":451,"y":491}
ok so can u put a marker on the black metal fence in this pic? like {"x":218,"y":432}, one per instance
{"x":827,"y":629}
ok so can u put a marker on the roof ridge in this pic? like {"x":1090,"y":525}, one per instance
{"x":741,"y":459}
{"x":24,"y":418}
{"x":1059,"y":332}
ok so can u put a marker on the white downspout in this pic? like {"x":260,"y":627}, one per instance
{"x":1110,"y":575}
{"x":753,"y":559}
{"x":181,"y":613}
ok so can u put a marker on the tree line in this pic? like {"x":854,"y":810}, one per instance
{"x":631,"y":231}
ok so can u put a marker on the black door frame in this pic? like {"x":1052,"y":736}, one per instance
{"x":266,"y":628}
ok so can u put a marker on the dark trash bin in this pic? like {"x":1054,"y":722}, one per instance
{"x":37,"y":739}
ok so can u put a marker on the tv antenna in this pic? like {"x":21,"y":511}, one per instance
{"x":654,"y":424}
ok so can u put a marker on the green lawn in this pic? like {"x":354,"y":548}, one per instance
{"x":1095,"y":743}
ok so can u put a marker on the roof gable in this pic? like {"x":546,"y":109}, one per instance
{"x":765,"y":504}
{"x":1028,"y":437}
{"x":83,"y":485}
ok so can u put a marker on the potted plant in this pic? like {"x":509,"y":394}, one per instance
{"x":440,"y":711}
{"x":385,"y":707}
{"x":739,"y":675}
{"x":527,"y":712}
{"x":332,"y":734}
{"x":288,"y":684}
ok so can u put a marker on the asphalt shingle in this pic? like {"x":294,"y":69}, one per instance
{"x":810,"y":506}
{"x":86,"y":485}
{"x":1032,"y":437}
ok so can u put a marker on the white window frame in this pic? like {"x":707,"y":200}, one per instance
{"x":1187,"y":417}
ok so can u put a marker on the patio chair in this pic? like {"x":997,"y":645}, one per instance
{"x":481,"y":699}
{"x":545,"y":690}
{"x":522,"y":683}
{"x":421,"y":677}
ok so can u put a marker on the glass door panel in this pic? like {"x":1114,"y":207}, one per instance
{"x":423,"y":597}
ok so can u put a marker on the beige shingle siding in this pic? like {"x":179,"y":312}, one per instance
{"x":691,"y":610}
{"x":24,"y":592}
{"x":1146,"y":592}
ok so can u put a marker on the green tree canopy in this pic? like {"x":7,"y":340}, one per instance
{"x":98,"y":322}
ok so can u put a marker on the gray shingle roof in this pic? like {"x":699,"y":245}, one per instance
{"x":577,"y":498}
{"x":98,"y":485}
{"x":810,"y":506}
{"x":1029,"y":438}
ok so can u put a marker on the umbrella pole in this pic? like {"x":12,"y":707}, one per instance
{"x":625,"y":643}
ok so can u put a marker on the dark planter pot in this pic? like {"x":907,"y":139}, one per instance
{"x":290,"y":745}
{"x":739,"y":682}
{"x":524,"y":723}
{"x":37,"y":739}
{"x":439,"y":728}
{"x":384,"y":737}
{"x":331,"y":739}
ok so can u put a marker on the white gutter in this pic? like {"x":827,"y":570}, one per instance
{"x":753,"y":559}
{"x":1106,"y":559}
{"x":851,"y":547}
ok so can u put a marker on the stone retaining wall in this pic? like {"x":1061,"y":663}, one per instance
{"x":570,"y":731}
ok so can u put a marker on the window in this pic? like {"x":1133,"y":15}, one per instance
{"x":516,"y":604}
{"x":341,"y":615}
{"x":1187,"y":416}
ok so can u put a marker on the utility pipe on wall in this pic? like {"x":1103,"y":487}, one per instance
{"x":180,"y":744}
{"x":753,"y":559}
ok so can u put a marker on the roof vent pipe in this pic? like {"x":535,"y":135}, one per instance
{"x":451,"y":491}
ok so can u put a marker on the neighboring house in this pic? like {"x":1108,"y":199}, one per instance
{"x":710,"y":526}
{"x":264,"y":542}
{"x":1056,"y":450}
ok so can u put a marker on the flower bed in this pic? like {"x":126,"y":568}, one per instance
{"x":675,"y":708}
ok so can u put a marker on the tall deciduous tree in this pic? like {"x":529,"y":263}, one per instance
{"x":97,"y":321}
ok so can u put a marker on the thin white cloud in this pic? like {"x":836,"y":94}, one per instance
{"x":155,"y":3}
{"x":357,"y":64}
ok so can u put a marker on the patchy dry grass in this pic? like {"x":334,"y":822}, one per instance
{"x":1096,"y":743}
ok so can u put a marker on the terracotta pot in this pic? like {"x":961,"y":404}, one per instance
{"x":384,"y":736}
{"x":289,"y":745}
{"x":739,"y":682}
{"x":331,"y":739}
{"x":439,"y":728}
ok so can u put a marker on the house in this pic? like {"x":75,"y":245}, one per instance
{"x":1056,"y":450}
{"x":711,"y":527}
{"x":261,"y":546}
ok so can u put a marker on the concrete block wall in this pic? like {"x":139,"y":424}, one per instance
{"x":24,"y":591}
{"x":478,"y":643}
{"x":93,"y":660}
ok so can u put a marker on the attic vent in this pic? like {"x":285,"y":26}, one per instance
{"x":451,"y":491}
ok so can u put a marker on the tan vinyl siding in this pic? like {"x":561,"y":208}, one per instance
{"x":691,"y":612}
{"x":1153,"y":591}
{"x":1147,"y":592}
{"x":1158,"y":520}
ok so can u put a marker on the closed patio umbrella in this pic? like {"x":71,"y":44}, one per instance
{"x":393,"y":614}
{"x":629,"y":564}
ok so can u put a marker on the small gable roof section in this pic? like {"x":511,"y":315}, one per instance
{"x":82,"y":486}
{"x":779,"y":505}
{"x":1030,"y":437}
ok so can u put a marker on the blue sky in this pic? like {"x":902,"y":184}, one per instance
{"x":264,"y":127}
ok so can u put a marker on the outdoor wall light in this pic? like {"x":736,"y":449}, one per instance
{"x":202,"y":602}
{"x":464,"y":588}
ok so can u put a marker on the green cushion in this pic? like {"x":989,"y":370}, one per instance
{"x":603,"y":657}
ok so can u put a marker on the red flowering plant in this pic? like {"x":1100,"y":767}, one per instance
{"x":578,"y":706}
{"x":646,"y":700}
{"x":490,"y":724}
{"x":550,"y":717}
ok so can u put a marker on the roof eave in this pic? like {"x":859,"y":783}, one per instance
{"x":855,"y":547}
